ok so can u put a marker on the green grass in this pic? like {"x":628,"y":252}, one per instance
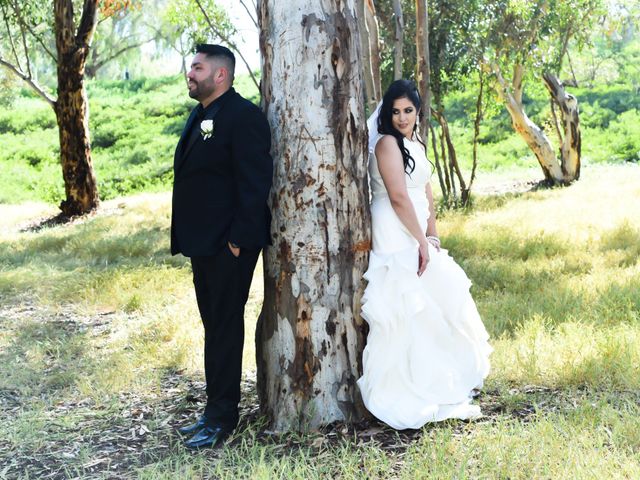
{"x":100,"y":349}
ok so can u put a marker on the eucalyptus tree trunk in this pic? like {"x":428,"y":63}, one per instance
{"x":538,"y":142}
{"x":72,"y":108}
{"x":423,"y":72}
{"x":398,"y":39}
{"x":310,"y":337}
{"x":371,"y":19}
{"x":466,"y":194}
{"x":371,"y":95}
{"x":570,"y":149}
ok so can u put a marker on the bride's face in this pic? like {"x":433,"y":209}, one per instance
{"x":404,"y":116}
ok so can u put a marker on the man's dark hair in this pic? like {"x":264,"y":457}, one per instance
{"x":220,"y":53}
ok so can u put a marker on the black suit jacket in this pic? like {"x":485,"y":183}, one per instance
{"x":221,"y":184}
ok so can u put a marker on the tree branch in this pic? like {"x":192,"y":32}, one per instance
{"x":555,"y":119}
{"x":25,"y":47}
{"x":563,"y":51}
{"x":518,"y":73}
{"x":574,"y":81}
{"x":37,"y":88}
{"x":503,"y":91}
{"x":24,"y":24}
{"x":251,"y":15}
{"x":88,"y":22}
{"x":227,"y":40}
{"x":98,"y":65}
{"x":13,"y":46}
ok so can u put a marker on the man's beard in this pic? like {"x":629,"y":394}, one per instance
{"x":201,"y":90}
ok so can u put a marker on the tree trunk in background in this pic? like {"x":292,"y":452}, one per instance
{"x":71,"y":107}
{"x":310,"y":337}
{"x":466,"y":194}
{"x":398,"y":39}
{"x":436,"y":158}
{"x":537,"y":141}
{"x":451,"y":194}
{"x":374,"y":46}
{"x":571,"y":142}
{"x":371,"y":97}
{"x":423,"y":71}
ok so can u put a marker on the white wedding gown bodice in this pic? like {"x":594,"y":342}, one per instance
{"x":427,"y":348}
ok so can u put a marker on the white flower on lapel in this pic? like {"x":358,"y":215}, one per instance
{"x":206,"y":129}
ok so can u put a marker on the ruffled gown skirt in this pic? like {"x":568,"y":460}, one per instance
{"x":427,"y":348}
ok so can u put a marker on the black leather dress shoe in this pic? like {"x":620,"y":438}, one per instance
{"x":194,"y":427}
{"x":207,"y":437}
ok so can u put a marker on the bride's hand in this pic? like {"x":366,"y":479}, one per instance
{"x":423,"y":257}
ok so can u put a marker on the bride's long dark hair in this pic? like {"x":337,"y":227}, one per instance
{"x":400,"y":89}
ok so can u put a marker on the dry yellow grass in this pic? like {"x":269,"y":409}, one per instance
{"x":97,"y":311}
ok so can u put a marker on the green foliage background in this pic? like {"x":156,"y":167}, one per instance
{"x":135,"y":126}
{"x":610,"y":126}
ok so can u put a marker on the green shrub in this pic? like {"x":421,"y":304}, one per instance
{"x":596,"y":116}
{"x":35,"y":157}
{"x":104,"y":137}
{"x":625,"y":131}
{"x":135,"y":126}
{"x":138,"y":157}
{"x":27,"y":116}
{"x":173,"y":127}
{"x":617,"y":98}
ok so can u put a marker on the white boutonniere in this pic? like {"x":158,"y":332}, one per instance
{"x":206,"y":129}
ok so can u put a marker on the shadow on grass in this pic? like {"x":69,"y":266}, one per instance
{"x":52,"y":428}
{"x":132,"y":431}
{"x":501,"y":242}
{"x":104,"y":259}
{"x":496,"y":197}
{"x":44,"y":357}
{"x":56,"y":220}
{"x":89,"y":245}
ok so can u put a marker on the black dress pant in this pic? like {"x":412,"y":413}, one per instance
{"x":222,"y":283}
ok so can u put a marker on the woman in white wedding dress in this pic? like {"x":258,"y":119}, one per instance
{"x":427,"y":349}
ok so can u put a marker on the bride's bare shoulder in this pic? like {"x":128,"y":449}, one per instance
{"x":387,"y":144}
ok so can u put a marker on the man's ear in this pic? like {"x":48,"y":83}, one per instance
{"x":220,"y":75}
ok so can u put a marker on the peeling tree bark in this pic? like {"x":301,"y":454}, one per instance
{"x":310,"y":336}
{"x":571,"y":148}
{"x":72,"y":108}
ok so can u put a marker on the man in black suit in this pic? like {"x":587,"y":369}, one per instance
{"x":220,"y":218}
